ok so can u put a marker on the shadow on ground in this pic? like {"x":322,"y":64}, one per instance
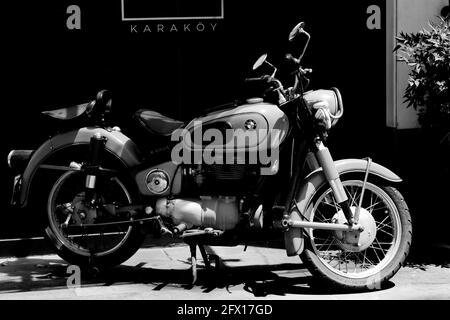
{"x":33,"y":274}
{"x":27,"y":274}
{"x":422,"y":256}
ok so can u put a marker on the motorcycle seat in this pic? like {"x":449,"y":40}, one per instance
{"x":102,"y":103}
{"x":156,"y":123}
{"x":68,"y":113}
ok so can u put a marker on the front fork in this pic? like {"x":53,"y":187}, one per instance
{"x":325,"y":161}
{"x":322,"y":158}
{"x":92,"y":167}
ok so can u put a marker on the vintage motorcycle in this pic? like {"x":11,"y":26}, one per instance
{"x":212,"y":182}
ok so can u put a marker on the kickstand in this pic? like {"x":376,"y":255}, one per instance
{"x":204,"y":255}
{"x":206,"y":258}
{"x":193,"y":248}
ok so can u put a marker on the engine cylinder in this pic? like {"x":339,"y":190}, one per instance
{"x":215,"y":212}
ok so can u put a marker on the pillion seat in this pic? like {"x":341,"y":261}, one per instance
{"x":69,"y":113}
{"x":101,"y":104}
{"x":156,"y":123}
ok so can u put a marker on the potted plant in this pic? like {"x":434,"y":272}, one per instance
{"x":428,"y":55}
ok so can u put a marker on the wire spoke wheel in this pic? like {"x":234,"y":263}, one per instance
{"x":358,"y":259}
{"x":72,"y":219}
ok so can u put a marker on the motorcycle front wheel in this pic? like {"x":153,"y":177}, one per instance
{"x":358,"y":261}
{"x":72,"y":222}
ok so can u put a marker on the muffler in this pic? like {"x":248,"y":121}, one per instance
{"x":210,"y":212}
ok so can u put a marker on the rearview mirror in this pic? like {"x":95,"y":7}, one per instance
{"x":299,"y":28}
{"x":260,"y":61}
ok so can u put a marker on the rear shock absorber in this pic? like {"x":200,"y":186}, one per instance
{"x":96,"y":148}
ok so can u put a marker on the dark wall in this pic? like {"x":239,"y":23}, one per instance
{"x":47,"y":66}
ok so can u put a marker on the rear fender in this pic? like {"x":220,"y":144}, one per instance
{"x":294,"y":240}
{"x":117,"y":144}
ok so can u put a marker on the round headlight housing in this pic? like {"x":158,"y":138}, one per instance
{"x":327,"y":105}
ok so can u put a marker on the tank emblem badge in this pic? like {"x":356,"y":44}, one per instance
{"x":157,"y":181}
{"x":250,"y":124}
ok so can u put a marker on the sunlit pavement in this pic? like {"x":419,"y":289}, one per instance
{"x":163,"y":273}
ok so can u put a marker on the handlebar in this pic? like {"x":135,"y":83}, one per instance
{"x":290,"y":58}
{"x":268,"y":80}
{"x":265,"y":78}
{"x":248,"y":80}
{"x":276,"y":85}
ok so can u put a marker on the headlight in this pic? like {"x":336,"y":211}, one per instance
{"x":323,"y":115}
{"x":328,"y":105}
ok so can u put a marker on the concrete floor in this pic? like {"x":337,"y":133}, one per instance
{"x":163,"y":274}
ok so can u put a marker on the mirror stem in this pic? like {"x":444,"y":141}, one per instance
{"x":274,"y":68}
{"x":306,"y":46}
{"x":274,"y":72}
{"x":270,"y":64}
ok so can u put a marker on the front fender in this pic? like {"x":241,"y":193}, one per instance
{"x":293,"y":238}
{"x":117,"y":143}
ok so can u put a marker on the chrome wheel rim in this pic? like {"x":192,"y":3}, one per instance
{"x":82,"y":243}
{"x":331,"y":251}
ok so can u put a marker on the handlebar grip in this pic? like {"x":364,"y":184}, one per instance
{"x":290,"y":58}
{"x":264,"y":78}
{"x":252,"y":79}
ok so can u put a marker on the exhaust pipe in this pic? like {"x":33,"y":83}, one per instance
{"x":220,"y":213}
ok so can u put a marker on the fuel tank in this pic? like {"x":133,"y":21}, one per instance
{"x":253,"y":128}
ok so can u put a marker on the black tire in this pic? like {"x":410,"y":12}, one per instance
{"x":318,"y":253}
{"x":85,"y":253}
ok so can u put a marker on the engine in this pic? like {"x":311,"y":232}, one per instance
{"x":219,"y":179}
{"x":214,"y":212}
{"x":213,"y":197}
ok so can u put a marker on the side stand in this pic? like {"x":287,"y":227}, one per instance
{"x":205,"y":256}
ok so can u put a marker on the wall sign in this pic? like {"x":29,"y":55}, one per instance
{"x":135,"y":10}
{"x":172,"y":16}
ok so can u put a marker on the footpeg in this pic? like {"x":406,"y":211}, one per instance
{"x":162,"y":227}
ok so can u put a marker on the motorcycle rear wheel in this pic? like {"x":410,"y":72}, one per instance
{"x":90,"y":246}
{"x":368,"y":265}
